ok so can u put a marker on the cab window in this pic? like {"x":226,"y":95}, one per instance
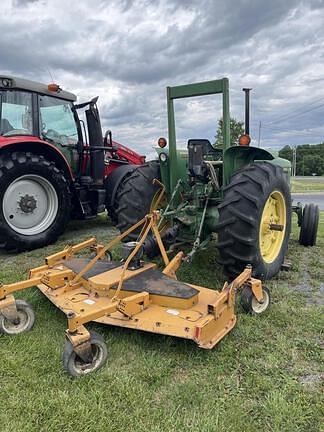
{"x":57,"y":123}
{"x":16,"y":113}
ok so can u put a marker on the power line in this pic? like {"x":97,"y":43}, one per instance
{"x":289,"y":130}
{"x":296,"y":110}
{"x":296,"y":115}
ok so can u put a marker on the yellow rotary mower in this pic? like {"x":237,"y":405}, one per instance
{"x":128,"y":293}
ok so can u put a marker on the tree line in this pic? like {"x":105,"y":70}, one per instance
{"x":309,"y":158}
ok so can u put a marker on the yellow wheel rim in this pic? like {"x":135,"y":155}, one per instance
{"x":272,"y":227}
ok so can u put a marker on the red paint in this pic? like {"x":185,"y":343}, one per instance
{"x":122,"y":153}
{"x":8,"y":141}
{"x":197,"y":332}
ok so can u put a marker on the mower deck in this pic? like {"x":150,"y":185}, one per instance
{"x":175,"y":308}
{"x":127,"y":293}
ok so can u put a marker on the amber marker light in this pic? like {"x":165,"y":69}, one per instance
{"x":53,"y":88}
{"x":244,"y":140}
{"x":162,"y":142}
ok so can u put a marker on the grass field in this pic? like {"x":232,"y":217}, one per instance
{"x":266,"y":375}
{"x":307,"y":184}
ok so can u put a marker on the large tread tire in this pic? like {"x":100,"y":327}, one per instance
{"x":135,"y":195}
{"x":309,"y":226}
{"x":240,"y":216}
{"x":112,"y":184}
{"x":17,"y":164}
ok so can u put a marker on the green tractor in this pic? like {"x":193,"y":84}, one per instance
{"x":240,"y":192}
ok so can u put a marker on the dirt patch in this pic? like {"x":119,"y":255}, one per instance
{"x":312,"y":296}
{"x":311,"y":381}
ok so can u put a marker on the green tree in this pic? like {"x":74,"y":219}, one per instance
{"x":286,"y":153}
{"x":311,"y":164}
{"x":237,"y":129}
{"x":309,"y":158}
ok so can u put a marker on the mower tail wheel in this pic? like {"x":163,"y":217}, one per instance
{"x":250,"y":304}
{"x":309,"y":225}
{"x":75,"y":366}
{"x":24,"y":322}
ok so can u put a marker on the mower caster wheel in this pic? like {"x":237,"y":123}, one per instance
{"x":75,"y":366}
{"x":24,"y":322}
{"x":250,"y":304}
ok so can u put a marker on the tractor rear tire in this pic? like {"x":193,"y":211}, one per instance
{"x":135,"y":194}
{"x":309,"y":225}
{"x":35,"y":201}
{"x":256,"y":205}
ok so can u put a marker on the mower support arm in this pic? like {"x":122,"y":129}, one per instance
{"x":18,"y":286}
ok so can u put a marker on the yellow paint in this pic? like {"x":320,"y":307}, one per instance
{"x":205,"y":318}
{"x":270,"y":241}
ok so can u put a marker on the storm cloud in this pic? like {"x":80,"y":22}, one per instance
{"x":127,"y":52}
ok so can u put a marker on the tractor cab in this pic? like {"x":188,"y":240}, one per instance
{"x":34,"y":109}
{"x":56,"y":165}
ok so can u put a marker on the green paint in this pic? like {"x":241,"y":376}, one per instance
{"x":194,"y":207}
{"x":192,"y":90}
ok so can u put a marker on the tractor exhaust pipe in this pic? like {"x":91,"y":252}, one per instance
{"x":247,"y":110}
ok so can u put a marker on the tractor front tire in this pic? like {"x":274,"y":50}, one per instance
{"x":35,"y":201}
{"x":309,"y":225}
{"x":135,"y":194}
{"x":255,"y":220}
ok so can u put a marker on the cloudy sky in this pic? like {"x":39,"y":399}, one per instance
{"x":128,"y":51}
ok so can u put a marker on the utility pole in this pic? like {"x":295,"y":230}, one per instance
{"x":294,"y":160}
{"x":259,"y":138}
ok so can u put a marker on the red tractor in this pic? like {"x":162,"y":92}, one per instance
{"x":52,"y":166}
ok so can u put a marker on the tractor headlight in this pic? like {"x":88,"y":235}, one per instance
{"x":163,"y":157}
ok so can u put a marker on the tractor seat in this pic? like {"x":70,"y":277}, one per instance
{"x":200,"y":150}
{"x":5,"y":126}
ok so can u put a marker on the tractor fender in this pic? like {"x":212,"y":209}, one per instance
{"x":236,"y":157}
{"x":114,"y":180}
{"x":40,"y":147}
